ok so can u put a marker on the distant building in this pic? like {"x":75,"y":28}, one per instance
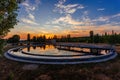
{"x":91,"y":36}
{"x":28,"y":37}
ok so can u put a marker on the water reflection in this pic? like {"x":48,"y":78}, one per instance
{"x":48,"y":50}
{"x":28,"y":48}
{"x":55,"y":50}
{"x":34,"y":47}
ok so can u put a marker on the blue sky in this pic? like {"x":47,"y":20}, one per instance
{"x":62,"y":17}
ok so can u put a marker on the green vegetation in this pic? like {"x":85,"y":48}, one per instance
{"x":93,"y":38}
{"x":1,"y":45}
{"x":8,"y":14}
{"x":110,"y":70}
{"x":14,"y":39}
{"x":11,"y":76}
{"x":11,"y":70}
{"x":38,"y":39}
{"x":113,"y":38}
{"x":8,"y":17}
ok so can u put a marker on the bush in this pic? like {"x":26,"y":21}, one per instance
{"x":1,"y":45}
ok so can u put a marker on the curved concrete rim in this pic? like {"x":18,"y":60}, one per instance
{"x":101,"y":58}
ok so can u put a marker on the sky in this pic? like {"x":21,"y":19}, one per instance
{"x":62,"y":17}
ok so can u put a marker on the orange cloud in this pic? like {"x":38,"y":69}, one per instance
{"x":76,"y":31}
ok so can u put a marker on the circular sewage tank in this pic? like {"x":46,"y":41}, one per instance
{"x":49,"y":54}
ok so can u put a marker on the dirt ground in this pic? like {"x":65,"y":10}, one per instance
{"x":12,"y":70}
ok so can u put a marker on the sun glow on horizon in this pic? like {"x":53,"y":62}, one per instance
{"x":63,"y":17}
{"x":23,"y":36}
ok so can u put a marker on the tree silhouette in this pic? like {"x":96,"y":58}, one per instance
{"x":68,"y":38}
{"x":96,"y":38}
{"x":34,"y":39}
{"x":14,"y":39}
{"x":8,"y":17}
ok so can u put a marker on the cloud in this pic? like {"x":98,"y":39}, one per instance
{"x":116,"y":15}
{"x":85,"y":12}
{"x":101,"y":29}
{"x":31,"y":7}
{"x":29,"y":21}
{"x":28,"y":7}
{"x":102,"y":19}
{"x":112,"y":19}
{"x":101,"y":9}
{"x":61,"y":1}
{"x":31,"y":17}
{"x":67,"y":9}
{"x":80,"y":7}
{"x":67,"y":19}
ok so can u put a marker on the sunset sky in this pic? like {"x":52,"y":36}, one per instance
{"x":62,"y":17}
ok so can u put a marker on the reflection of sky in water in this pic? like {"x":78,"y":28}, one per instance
{"x":46,"y":57}
{"x":49,"y":50}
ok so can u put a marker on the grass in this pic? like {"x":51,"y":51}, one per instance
{"x":110,"y":70}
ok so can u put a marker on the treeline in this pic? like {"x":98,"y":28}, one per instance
{"x":111,"y":39}
{"x":92,"y":38}
{"x":38,"y":39}
{"x":106,"y":38}
{"x":73,"y":39}
{"x":68,"y":38}
{"x":14,"y":39}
